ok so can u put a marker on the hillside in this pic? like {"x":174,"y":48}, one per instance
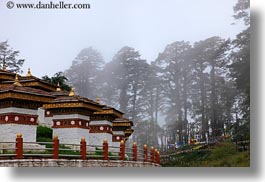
{"x":220,"y":155}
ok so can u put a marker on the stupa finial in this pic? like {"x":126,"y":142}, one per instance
{"x":17,"y":81}
{"x":72,"y":92}
{"x":58,"y":89}
{"x":98,"y":100}
{"x":28,"y":73}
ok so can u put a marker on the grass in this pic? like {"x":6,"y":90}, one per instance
{"x":225,"y":155}
{"x":221,"y":155}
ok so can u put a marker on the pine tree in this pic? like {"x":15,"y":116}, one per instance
{"x":8,"y":57}
{"x":240,"y":68}
{"x":175,"y":71}
{"x":84,"y":72}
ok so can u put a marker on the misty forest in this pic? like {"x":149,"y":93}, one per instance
{"x":197,"y":90}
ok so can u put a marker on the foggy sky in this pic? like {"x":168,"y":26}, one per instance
{"x":50,"y":39}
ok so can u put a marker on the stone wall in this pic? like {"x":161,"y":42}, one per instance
{"x":73,"y":163}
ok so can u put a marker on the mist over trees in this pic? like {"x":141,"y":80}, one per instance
{"x":83,"y":73}
{"x":200,"y":90}
{"x":240,"y":69}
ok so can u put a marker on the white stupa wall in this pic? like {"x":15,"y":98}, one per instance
{"x":71,"y":135}
{"x":71,"y":116}
{"x":101,"y":122}
{"x":115,"y":148}
{"x":116,"y":144}
{"x":42,"y":119}
{"x":97,"y":138}
{"x":18,"y":110}
{"x":8,"y":132}
{"x":48,"y":121}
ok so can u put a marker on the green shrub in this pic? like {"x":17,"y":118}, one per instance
{"x":42,"y":139}
{"x":44,"y":132}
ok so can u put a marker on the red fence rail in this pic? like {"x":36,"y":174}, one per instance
{"x":56,"y":150}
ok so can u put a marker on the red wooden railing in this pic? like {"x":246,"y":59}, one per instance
{"x":56,"y":151}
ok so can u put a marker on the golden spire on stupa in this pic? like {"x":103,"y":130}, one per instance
{"x":58,"y":89}
{"x":28,"y":73}
{"x":72,"y":92}
{"x":98,"y":100}
{"x":17,"y":81}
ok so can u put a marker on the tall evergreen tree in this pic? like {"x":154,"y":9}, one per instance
{"x":126,"y":80}
{"x":209,"y":63}
{"x":83,"y":73}
{"x":175,"y":70}
{"x":8,"y":57}
{"x":240,"y":67}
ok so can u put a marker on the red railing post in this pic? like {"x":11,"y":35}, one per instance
{"x":55,"y":147}
{"x":122,"y":150}
{"x":152,"y":157}
{"x":83,"y":148}
{"x":158,"y":157}
{"x":105,"y":149}
{"x":19,"y":146}
{"x":134,"y":150}
{"x":145,"y":153}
